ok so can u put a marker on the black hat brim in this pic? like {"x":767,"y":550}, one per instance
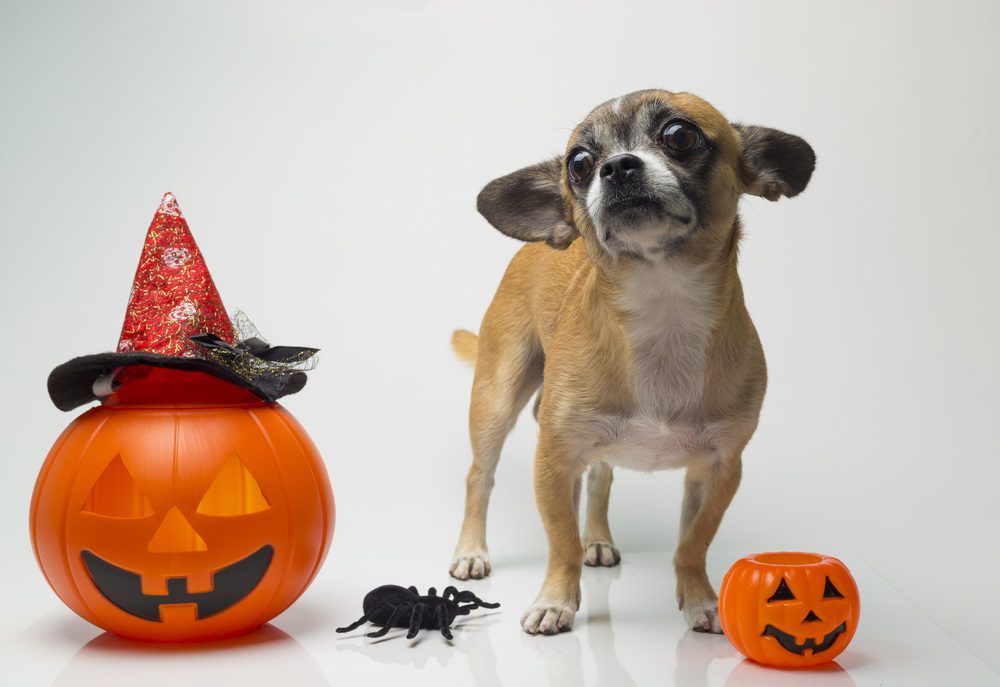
{"x":72,"y":384}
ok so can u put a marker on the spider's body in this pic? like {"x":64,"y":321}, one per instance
{"x":393,"y":606}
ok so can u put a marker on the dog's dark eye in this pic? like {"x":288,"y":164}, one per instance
{"x":680,"y":137}
{"x":579,"y":166}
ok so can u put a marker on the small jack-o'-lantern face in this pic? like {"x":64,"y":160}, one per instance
{"x":789,"y":609}
{"x":182,"y":521}
{"x":784,"y":597}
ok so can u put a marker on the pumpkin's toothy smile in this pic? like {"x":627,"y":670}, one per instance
{"x":123,"y":588}
{"x":788,"y":642}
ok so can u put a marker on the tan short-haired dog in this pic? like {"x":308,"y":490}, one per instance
{"x":626,"y":308}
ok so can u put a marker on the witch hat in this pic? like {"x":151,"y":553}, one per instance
{"x":175,"y":319}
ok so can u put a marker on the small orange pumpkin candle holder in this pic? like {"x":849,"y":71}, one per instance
{"x":789,"y":609}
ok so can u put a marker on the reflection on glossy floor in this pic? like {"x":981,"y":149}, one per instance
{"x":628,"y":633}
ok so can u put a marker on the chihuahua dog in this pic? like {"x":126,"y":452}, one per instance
{"x":626,"y":309}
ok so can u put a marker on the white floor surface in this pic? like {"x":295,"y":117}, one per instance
{"x":627,"y":633}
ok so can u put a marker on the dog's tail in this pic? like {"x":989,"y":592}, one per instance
{"x":465,"y":345}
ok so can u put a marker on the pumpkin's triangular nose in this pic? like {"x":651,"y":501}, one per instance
{"x":811,"y":618}
{"x":175,"y":535}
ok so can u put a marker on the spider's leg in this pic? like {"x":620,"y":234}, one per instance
{"x":363,"y":619}
{"x":400,"y":610}
{"x":432,"y":592}
{"x":469,"y":596}
{"x":415,"y":618}
{"x":413,"y":589}
{"x":443,"y":624}
{"x":450,"y":593}
{"x":355,"y":625}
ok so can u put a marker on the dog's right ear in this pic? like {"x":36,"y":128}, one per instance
{"x":528,"y":205}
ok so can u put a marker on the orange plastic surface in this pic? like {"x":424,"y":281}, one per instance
{"x":174,"y":478}
{"x":807,"y":609}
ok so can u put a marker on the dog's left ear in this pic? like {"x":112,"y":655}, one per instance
{"x":528,"y":205}
{"x":774,"y":163}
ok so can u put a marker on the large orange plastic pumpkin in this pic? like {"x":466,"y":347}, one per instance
{"x":789,"y":609}
{"x":182,"y":508}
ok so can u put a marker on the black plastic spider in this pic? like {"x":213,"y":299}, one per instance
{"x":388,"y":605}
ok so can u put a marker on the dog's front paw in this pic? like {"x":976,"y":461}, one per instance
{"x":548,"y":617}
{"x":703,"y":616}
{"x":474,"y":564}
{"x":602,"y":553}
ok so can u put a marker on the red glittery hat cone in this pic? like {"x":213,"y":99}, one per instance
{"x":173,"y":295}
{"x":175,"y":319}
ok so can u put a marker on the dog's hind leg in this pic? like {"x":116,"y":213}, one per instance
{"x":599,"y":547}
{"x":508,"y":371}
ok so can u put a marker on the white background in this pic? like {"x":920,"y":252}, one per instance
{"x":327,"y":158}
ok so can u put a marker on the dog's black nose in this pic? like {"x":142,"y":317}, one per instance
{"x":621,"y":167}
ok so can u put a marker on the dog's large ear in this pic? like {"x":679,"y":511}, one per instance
{"x":774,"y":163}
{"x":528,"y":205}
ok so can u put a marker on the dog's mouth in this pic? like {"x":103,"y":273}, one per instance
{"x":229,"y":585}
{"x":788,"y":642}
{"x":626,"y":202}
{"x":630,"y":206}
{"x":640,"y":208}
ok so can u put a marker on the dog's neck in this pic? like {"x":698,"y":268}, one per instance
{"x":674,"y":312}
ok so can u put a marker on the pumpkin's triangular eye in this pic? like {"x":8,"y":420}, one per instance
{"x":234,"y":491}
{"x":831,"y":592}
{"x":116,"y":494}
{"x":782,"y":593}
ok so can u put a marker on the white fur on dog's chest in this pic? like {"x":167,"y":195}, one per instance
{"x":646,"y":444}
{"x":670,"y":310}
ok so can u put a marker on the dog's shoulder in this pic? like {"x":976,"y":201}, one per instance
{"x":550,"y":279}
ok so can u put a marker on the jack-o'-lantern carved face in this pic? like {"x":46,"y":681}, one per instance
{"x":789,"y":609}
{"x":811,"y":627}
{"x":182,"y":521}
{"x":118,"y":505}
